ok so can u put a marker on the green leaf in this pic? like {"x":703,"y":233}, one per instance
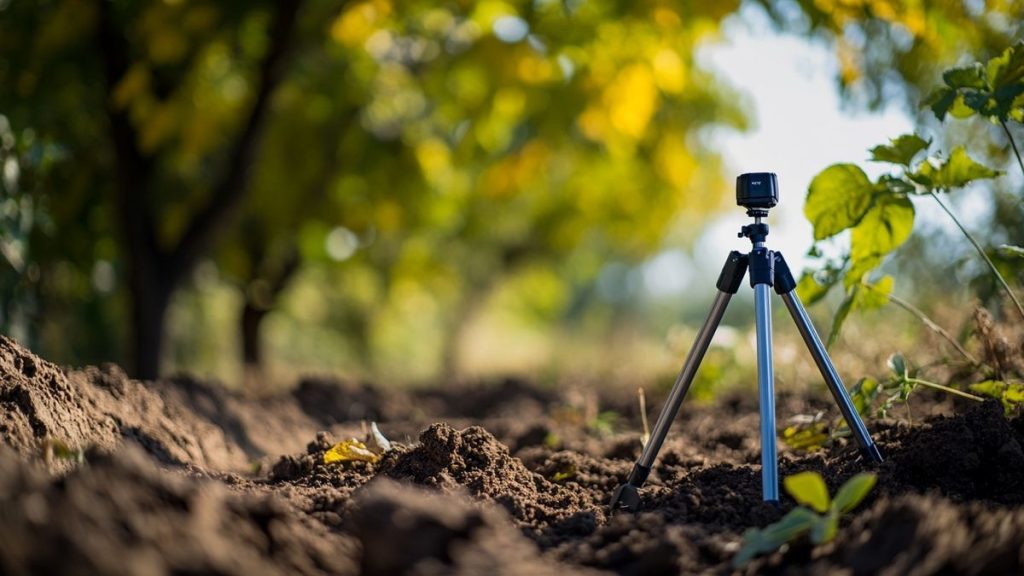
{"x":877,"y":295}
{"x":808,"y":488}
{"x":853,"y":492}
{"x":1009,"y":250}
{"x":841,"y":314}
{"x":810,"y":290}
{"x":860,"y":269}
{"x":761,"y":541}
{"x":940,"y":101}
{"x":884,"y":227}
{"x":1007,"y":68}
{"x":957,"y":171}
{"x":863,"y":394}
{"x":898,"y":364}
{"x":837,"y":199}
{"x":824,"y":528}
{"x":971,"y":76}
{"x":900,"y":150}
{"x":807,"y":438}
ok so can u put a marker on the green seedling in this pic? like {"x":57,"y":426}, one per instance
{"x":896,"y":389}
{"x":818,"y":516}
{"x":54,"y":448}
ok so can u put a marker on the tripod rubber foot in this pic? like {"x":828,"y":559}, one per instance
{"x":874,"y":454}
{"x":625,"y":497}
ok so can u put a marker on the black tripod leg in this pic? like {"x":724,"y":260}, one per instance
{"x":627,"y":495}
{"x":785,"y":285}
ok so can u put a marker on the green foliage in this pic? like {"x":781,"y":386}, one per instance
{"x":994,"y":89}
{"x":818,"y":516}
{"x":879,"y":215}
{"x":895,"y":389}
{"x":1011,"y":394}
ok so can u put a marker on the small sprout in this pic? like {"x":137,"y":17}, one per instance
{"x":808,"y":433}
{"x":54,"y":448}
{"x":350,"y":450}
{"x":643,"y":417}
{"x":604,"y":423}
{"x":568,"y":472}
{"x":818,"y":517}
{"x":378,"y":443}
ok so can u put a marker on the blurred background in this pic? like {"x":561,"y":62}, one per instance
{"x":422,"y":191}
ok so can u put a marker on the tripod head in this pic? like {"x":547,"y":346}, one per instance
{"x":757,"y":192}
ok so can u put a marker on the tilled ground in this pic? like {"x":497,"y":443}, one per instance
{"x":182,"y":477}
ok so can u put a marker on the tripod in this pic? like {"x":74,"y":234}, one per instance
{"x":767,"y":269}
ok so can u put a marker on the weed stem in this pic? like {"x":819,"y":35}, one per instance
{"x":945,"y":389}
{"x":928,"y":322}
{"x":1006,"y":287}
{"x":1013,"y":144}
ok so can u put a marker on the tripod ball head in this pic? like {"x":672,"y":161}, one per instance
{"x":757,"y":190}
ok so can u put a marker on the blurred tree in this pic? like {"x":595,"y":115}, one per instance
{"x":493,"y":139}
{"x":163,"y":145}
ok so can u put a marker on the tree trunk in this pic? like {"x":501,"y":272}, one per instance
{"x":149,"y":318}
{"x":252,"y":348}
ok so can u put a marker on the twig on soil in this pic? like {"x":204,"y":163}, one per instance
{"x":643,"y":416}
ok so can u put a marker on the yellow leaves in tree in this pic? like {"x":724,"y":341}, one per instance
{"x":631,"y":100}
{"x":669,"y":71}
{"x":359,"y":22}
{"x":350,"y":450}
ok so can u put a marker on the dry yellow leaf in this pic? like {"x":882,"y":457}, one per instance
{"x":349,"y":451}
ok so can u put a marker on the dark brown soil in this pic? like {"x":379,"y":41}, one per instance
{"x":102,"y":474}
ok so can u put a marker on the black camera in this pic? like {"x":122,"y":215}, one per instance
{"x":757,"y":190}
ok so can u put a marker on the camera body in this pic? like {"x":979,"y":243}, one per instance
{"x":757,"y":190}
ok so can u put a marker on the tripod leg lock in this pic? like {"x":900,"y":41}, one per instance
{"x":732,"y":273}
{"x":762,"y":267}
{"x":784,"y":281}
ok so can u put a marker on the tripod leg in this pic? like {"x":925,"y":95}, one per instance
{"x":627,"y":495}
{"x":760,"y":268}
{"x":820,"y":355}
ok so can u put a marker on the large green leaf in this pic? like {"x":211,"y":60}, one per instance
{"x":810,"y":289}
{"x":838,"y":198}
{"x":1007,"y":68}
{"x":853,"y":492}
{"x":861,"y":295}
{"x":809,"y":489}
{"x":885,"y":226}
{"x":900,"y":150}
{"x":761,"y":541}
{"x":957,"y":171}
{"x":971,"y":76}
{"x":940,"y":101}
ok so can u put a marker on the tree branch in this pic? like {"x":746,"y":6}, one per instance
{"x":228,"y":194}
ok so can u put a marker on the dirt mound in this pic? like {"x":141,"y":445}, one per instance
{"x":407,"y":530}
{"x":931,"y":535}
{"x":976,"y":455}
{"x":121,"y":514}
{"x":472,"y":459}
{"x":179,"y":421}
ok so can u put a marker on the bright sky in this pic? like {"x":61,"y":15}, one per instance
{"x":799,"y":128}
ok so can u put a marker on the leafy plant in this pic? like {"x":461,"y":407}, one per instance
{"x":818,"y":516}
{"x":896,"y":389}
{"x":880,"y":217}
{"x":993,"y":90}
